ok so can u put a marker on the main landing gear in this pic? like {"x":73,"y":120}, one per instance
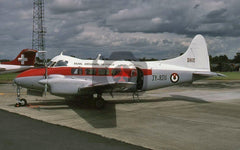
{"x":20,"y":101}
{"x":99,"y":102}
{"x":94,"y":100}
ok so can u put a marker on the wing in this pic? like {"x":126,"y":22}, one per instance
{"x":60,"y":85}
{"x":107,"y":87}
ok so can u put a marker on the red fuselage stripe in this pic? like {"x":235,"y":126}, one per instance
{"x":126,"y":72}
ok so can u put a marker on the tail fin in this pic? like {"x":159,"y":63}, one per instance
{"x":196,"y":56}
{"x":26,"y":57}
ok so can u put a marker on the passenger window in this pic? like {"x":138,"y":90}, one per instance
{"x":90,"y":71}
{"x":103,"y":71}
{"x":115,"y":72}
{"x":76,"y":71}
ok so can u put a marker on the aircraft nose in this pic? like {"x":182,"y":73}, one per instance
{"x":29,"y":82}
{"x":17,"y":81}
{"x":21,"y":82}
{"x":30,"y":78}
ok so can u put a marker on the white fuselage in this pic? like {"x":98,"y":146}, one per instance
{"x":151,"y":75}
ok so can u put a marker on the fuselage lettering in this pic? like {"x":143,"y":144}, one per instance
{"x":191,"y":60}
{"x":159,"y":77}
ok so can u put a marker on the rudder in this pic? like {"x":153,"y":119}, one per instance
{"x":196,"y":56}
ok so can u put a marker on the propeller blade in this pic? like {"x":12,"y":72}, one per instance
{"x":45,"y":89}
{"x":43,"y":54}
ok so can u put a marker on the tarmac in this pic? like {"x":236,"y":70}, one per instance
{"x":201,"y":116}
{"x":23,"y":133}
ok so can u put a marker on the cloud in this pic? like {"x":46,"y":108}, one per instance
{"x":218,"y":15}
{"x":63,"y":6}
{"x":174,"y":16}
{"x":160,"y":29}
{"x":71,"y":6}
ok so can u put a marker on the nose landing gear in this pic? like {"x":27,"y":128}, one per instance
{"x":20,"y":101}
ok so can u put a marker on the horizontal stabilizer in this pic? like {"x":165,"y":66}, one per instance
{"x":205,"y":74}
{"x":208,"y":74}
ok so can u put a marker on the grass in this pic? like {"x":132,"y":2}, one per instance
{"x":229,"y":76}
{"x":7,"y":77}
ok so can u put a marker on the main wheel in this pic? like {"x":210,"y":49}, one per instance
{"x":99,"y":103}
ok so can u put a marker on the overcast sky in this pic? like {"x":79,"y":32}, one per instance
{"x":148,"y":28}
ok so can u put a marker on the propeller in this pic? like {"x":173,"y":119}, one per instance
{"x":43,"y":56}
{"x":46,"y":77}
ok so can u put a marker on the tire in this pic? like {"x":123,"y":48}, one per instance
{"x":99,"y":103}
{"x":23,"y":102}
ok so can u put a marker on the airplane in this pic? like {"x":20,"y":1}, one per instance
{"x":25,"y":60}
{"x":67,"y":76}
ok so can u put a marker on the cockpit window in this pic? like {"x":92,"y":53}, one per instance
{"x":51,"y":63}
{"x":61,"y":63}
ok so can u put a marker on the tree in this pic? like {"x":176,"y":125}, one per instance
{"x":236,"y":58}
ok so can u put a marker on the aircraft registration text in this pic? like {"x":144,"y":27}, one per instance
{"x":159,"y":77}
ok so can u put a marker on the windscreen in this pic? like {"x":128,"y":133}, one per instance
{"x":61,"y":63}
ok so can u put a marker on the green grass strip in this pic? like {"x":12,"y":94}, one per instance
{"x":229,"y":76}
{"x":8,"y":77}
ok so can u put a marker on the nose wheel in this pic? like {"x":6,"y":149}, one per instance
{"x":20,"y":101}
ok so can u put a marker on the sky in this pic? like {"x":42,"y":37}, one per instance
{"x":158,"y":29}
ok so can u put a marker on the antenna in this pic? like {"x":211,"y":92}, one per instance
{"x":39,"y":31}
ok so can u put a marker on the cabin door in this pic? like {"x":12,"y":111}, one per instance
{"x":140,"y":79}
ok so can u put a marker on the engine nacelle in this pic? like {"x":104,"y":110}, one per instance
{"x":65,"y":86}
